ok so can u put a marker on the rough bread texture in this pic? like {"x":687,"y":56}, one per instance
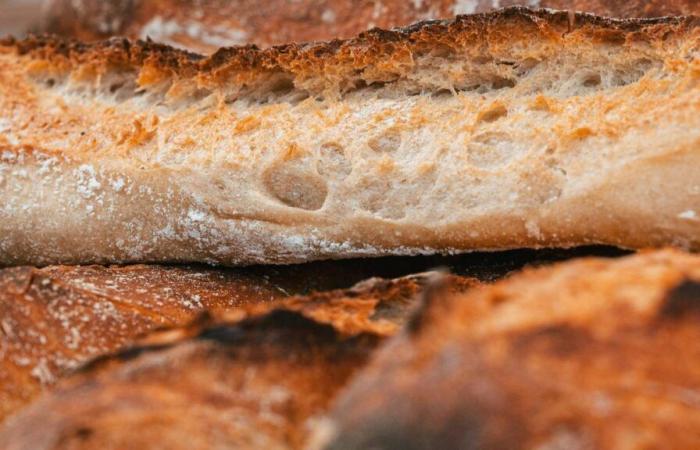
{"x":516,"y":128}
{"x":55,"y":319}
{"x":255,"y":378}
{"x":589,"y":354}
{"x":206,"y":25}
{"x":257,"y":384}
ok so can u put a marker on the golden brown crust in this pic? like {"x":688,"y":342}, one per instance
{"x":274,"y":366}
{"x":369,"y":48}
{"x":257,"y":384}
{"x":206,"y":26}
{"x":375,"y":305}
{"x":55,"y":319}
{"x":591,"y":353}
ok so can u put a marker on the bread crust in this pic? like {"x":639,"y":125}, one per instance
{"x":58,"y":318}
{"x":207,"y":25}
{"x":305,"y":346}
{"x":369,"y":47}
{"x":584,"y":354}
{"x":256,"y":384}
{"x":516,"y":128}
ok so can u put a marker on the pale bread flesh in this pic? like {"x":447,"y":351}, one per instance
{"x":511,"y":129}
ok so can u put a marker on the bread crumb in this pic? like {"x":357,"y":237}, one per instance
{"x":533,"y":229}
{"x":42,"y":372}
{"x":464,"y":7}
{"x":328,"y":16}
{"x":688,"y":215}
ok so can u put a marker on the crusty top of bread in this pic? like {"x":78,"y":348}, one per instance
{"x":232,"y":361}
{"x":374,"y":57}
{"x":55,"y":319}
{"x":591,"y":353}
{"x":209,"y":24}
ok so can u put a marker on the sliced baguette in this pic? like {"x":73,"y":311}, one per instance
{"x":516,"y":128}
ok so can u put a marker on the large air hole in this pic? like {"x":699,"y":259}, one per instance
{"x":441,"y":93}
{"x":394,"y":197}
{"x":296,"y":187}
{"x":114,"y":87}
{"x":280,"y":89}
{"x":296,"y":97}
{"x":378,"y":206}
{"x":501,"y":83}
{"x":379,"y":199}
{"x":524,"y":66}
{"x":121,"y":85}
{"x":592,"y":80}
{"x":282,"y":86}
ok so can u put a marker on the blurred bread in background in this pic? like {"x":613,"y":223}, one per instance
{"x":205,"y":25}
{"x":254,"y":377}
{"x":55,"y":319}
{"x":19,"y":16}
{"x":587,"y":354}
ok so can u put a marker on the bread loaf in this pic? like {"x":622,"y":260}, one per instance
{"x":593,"y":353}
{"x":516,"y":128}
{"x":206,"y":25}
{"x":255,"y":385}
{"x":55,"y":319}
{"x":254,"y":378}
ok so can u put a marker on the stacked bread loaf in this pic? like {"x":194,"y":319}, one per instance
{"x":473,"y":231}
{"x":206,"y":25}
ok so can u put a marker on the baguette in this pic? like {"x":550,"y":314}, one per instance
{"x":255,"y":385}
{"x":589,"y":354}
{"x":252,"y":378}
{"x":511,"y":129}
{"x":59,"y":317}
{"x":206,"y":25}
{"x":55,"y":319}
